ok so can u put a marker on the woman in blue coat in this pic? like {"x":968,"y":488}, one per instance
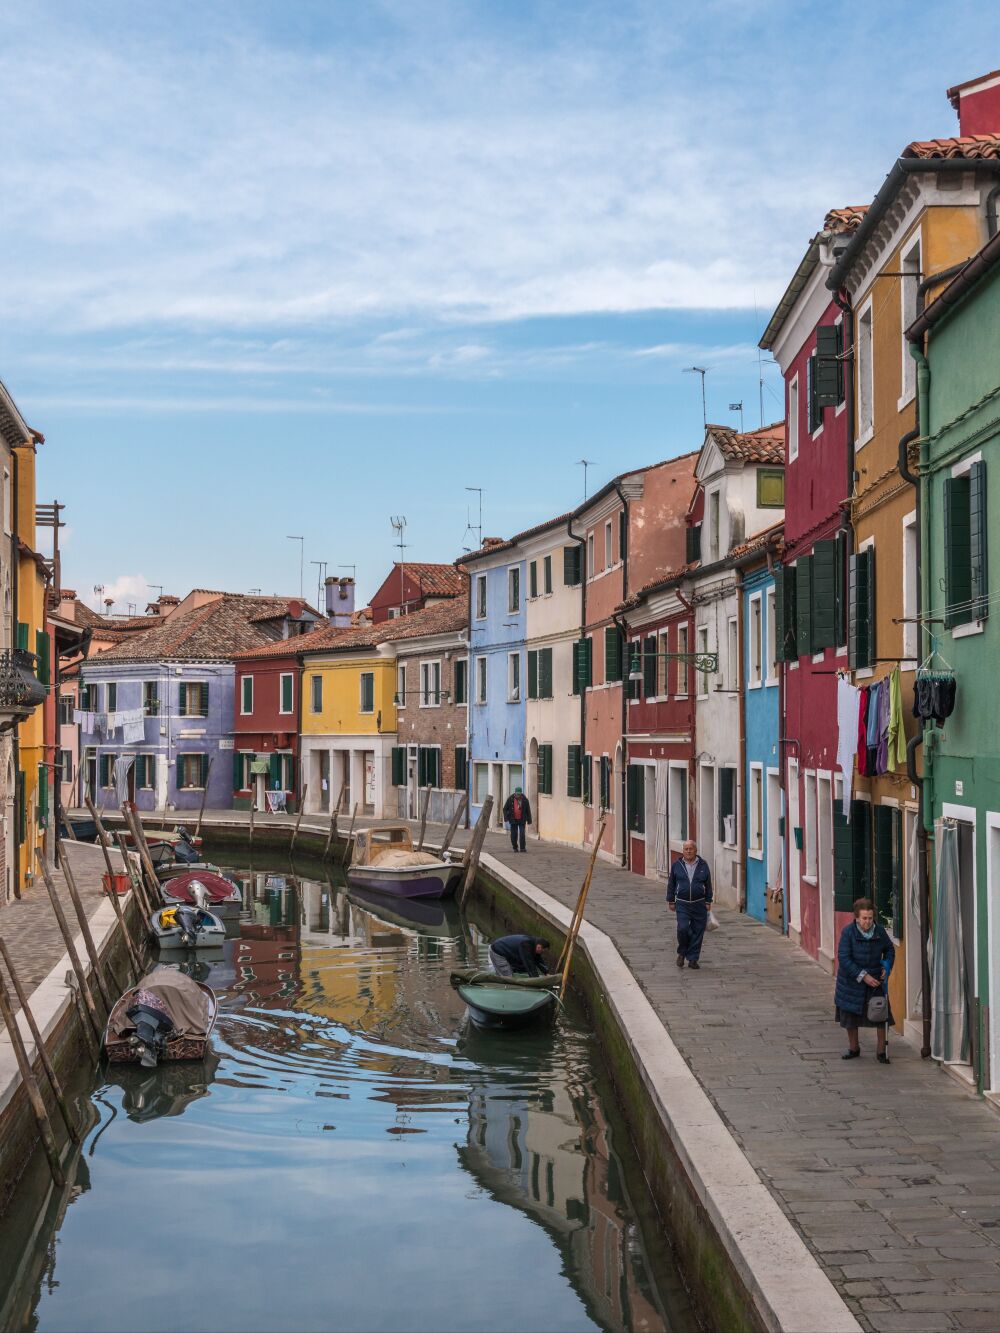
{"x":865,"y":956}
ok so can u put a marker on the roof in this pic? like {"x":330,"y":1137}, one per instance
{"x":758,"y":543}
{"x":14,"y":430}
{"x":953,"y":94}
{"x":839,"y":221}
{"x":442,"y":618}
{"x":967,"y":146}
{"x":764,"y":445}
{"x":214,"y":631}
{"x":495,"y":545}
{"x":977,"y":267}
{"x":435,"y":580}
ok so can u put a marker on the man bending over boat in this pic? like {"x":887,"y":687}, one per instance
{"x":518,"y":955}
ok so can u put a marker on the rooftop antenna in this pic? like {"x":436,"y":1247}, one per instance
{"x":585,"y":463}
{"x":477,"y":528}
{"x":302,"y":559}
{"x":399,"y":528}
{"x":320,"y":576}
{"x":702,"y":371}
{"x":738,"y":407}
{"x":98,"y":592}
{"x":760,"y":367}
{"x":157,"y":586}
{"x":352,"y":568}
{"x":254,"y":592}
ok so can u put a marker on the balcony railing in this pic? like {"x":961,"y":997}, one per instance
{"x":20,"y":689}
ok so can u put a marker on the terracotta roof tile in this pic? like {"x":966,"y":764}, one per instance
{"x":840,"y":221}
{"x":765,"y":445}
{"x":970,"y":146}
{"x":760,"y":541}
{"x":215,"y":631}
{"x":435,"y":580}
{"x":494,"y":545}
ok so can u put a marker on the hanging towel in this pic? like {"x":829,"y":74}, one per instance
{"x":873,"y":706}
{"x":882,"y":761}
{"x":897,"y":727}
{"x":861,"y":731}
{"x":848,"y":701}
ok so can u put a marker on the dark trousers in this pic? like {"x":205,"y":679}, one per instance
{"x":691,"y":921}
{"x":517,"y":832}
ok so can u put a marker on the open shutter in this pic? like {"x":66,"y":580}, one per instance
{"x":861,"y":823}
{"x":203,"y":770}
{"x":182,"y":700}
{"x":532,"y":673}
{"x":692,"y":550}
{"x":826,"y":371}
{"x":957,"y":551}
{"x":43,"y":796}
{"x":785,"y":613}
{"x":649,"y":667}
{"x":636,"y":798}
{"x":572,"y":562}
{"x":461,"y":768}
{"x":613,"y":651}
{"x":803,"y":606}
{"x":824,"y":562}
{"x":545,"y":770}
{"x":605,"y":794}
{"x":421,"y":766}
{"x":581,"y":664}
{"x":398,"y":770}
{"x":861,"y":605}
{"x":237,"y":772}
{"x":22,"y":635}
{"x":888,"y":869}
{"x":843,"y":861}
{"x":203,"y":696}
{"x":42,"y":648}
{"x":533,"y":579}
{"x":840,"y":588}
{"x":286,"y":693}
{"x":978,"y":580}
{"x":545,"y":673}
{"x":274,"y":771}
{"x":574,"y":776}
{"x":587,"y":776}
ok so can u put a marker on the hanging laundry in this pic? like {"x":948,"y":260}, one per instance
{"x":847,"y":736}
{"x":897,"y":727}
{"x":134,"y":732}
{"x":861,"y":731}
{"x":882,"y":756}
{"x":872,"y":724}
{"x":934,"y":696}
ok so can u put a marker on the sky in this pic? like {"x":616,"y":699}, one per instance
{"x":272,"y":270}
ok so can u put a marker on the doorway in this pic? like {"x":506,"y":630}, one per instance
{"x":792,"y":831}
{"x":991,"y":1025}
{"x":9,"y":845}
{"x":824,"y":863}
{"x":705,"y":825}
{"x":967,"y":907}
{"x":324,"y":780}
{"x":498,"y":796}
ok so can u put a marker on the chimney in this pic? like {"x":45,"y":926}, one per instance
{"x":978,"y":104}
{"x":340,"y":601}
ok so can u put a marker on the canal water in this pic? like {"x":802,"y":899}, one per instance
{"x":353,"y":1156}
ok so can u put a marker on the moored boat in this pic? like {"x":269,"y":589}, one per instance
{"x":183,"y":927}
{"x":225,"y":898}
{"x":496,"y":1004}
{"x":385,"y":860}
{"x":167,"y":1017}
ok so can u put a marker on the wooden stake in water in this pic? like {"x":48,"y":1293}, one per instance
{"x":36,"y":1037}
{"x":425,"y":800}
{"x":74,"y":957}
{"x":298,"y":819}
{"x":85,"y":931}
{"x":204,"y":795}
{"x":145,"y":856}
{"x":472,"y":853}
{"x":456,"y":819}
{"x":566,"y":957}
{"x":102,"y":838}
{"x":350,"y":835}
{"x":31,"y":1087}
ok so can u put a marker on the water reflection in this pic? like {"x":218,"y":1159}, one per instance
{"x":412,"y":1171}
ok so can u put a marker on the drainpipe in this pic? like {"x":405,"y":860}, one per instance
{"x":848,"y":325}
{"x":624,"y":722}
{"x":622,"y":789}
{"x":583,"y":634}
{"x":692,"y":704}
{"x":742,"y":700}
{"x":15,"y":600}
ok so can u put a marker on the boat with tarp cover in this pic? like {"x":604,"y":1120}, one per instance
{"x":505,"y":1002}
{"x":385,"y":860}
{"x":224,"y":896}
{"x":167,"y":1016}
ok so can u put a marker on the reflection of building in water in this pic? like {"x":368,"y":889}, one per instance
{"x":267,"y":953}
{"x":550,"y":1156}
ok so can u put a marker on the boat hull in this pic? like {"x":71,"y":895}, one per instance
{"x":121,"y":1050}
{"x":505,"y":1007}
{"x":407,"y":882}
{"x":209,"y":935}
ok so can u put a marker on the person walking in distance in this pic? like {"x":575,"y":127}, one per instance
{"x":517,"y":813}
{"x":865,"y":956}
{"x":689,"y":894}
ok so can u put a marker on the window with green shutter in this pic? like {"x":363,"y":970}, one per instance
{"x":978,"y":572}
{"x":605,"y":782}
{"x":824,"y":596}
{"x":840,"y":589}
{"x":545,"y":770}
{"x":112,"y":695}
{"x":770,"y":487}
{"x":22,"y":635}
{"x":239,"y":771}
{"x":815,"y":411}
{"x":462,"y":680}
{"x":532,"y":673}
{"x":42,"y":651}
{"x":533,"y":579}
{"x":803,"y":606}
{"x":287,"y":691}
{"x":966,"y":584}
{"x":828,"y":375}
{"x":367,"y":692}
{"x":399,"y":766}
{"x":649,"y":667}
{"x":852,"y":855}
{"x":246,"y":694}
{"x":461,"y":768}
{"x":547,"y":575}
{"x":588,"y":774}
{"x":636,"y":798}
{"x":582,"y":663}
{"x":784,"y":613}
{"x":888,"y":828}
{"x":692,"y":544}
{"x":43,"y":796}
{"x":574,"y":770}
{"x":572,"y":565}
{"x":861,"y":609}
{"x":545,"y":673}
{"x":614,"y":653}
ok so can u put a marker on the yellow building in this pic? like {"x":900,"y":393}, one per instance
{"x":348,"y":726}
{"x":929,"y":216}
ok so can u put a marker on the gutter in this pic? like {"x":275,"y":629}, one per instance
{"x":964,"y":277}
{"x":581,"y":542}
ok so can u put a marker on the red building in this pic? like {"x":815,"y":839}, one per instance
{"x":660,"y":740}
{"x":807,"y":338}
{"x":411,"y":587}
{"x":267,"y":708}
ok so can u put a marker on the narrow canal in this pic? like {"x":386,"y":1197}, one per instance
{"x":353,"y":1156}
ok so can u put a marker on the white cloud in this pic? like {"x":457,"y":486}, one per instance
{"x":126,"y":588}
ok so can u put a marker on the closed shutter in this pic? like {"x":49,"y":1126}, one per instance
{"x":588,"y":776}
{"x":582,"y":657}
{"x":572,"y":563}
{"x":814,"y":407}
{"x":636,"y":798}
{"x":203,"y":770}
{"x":692,"y":544}
{"x":784,"y":613}
{"x":605,"y":793}
{"x":545,"y":673}
{"x":237,"y":773}
{"x":532,"y":673}
{"x":432,"y":767}
{"x":649,"y":667}
{"x":978,"y":580}
{"x":398,"y":766}
{"x":888,"y":866}
{"x":957,"y":551}
{"x":613,"y":653}
{"x":203,"y":698}
{"x":102,"y":766}
{"x":274,"y":771}
{"x":852,"y":855}
{"x":182,"y":702}
{"x":42,"y":648}
{"x":22,"y":635}
{"x":246,"y":687}
{"x":840,"y":588}
{"x":861,"y":821}
{"x":286,"y":694}
{"x":574,"y":776}
{"x":421,"y":766}
{"x":461,"y":768}
{"x":43,"y":796}
{"x":824,"y":596}
{"x":826,"y":373}
{"x":803,"y":606}
{"x":533,"y":579}
{"x":545,"y":770}
{"x":861,"y":609}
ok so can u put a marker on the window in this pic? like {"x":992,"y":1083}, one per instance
{"x":770,"y":487}
{"x":145,"y":771}
{"x":65,"y":765}
{"x":682,"y":662}
{"x":614,"y":653}
{"x":714,"y":519}
{"x":908,"y":296}
{"x":861,"y":609}
{"x":533,"y":579}
{"x":540,"y":673}
{"x":545,"y":770}
{"x":151,"y":698}
{"x":733,"y":640}
{"x":701,"y":648}
{"x":367,"y":702}
{"x":88,"y":698}
{"x":246,"y":695}
{"x":678,"y":807}
{"x":430,"y":684}
{"x":634,"y":668}
{"x":622,"y":533}
{"x":967,"y":591}
{"x":480,"y":596}
{"x":608,"y":562}
{"x":583,"y":665}
{"x":692,"y":544}
{"x":604,"y":782}
{"x":727,"y":806}
{"x":429,"y":766}
{"x":662,"y":665}
{"x":636,"y":798}
{"x":809,"y":825}
{"x":649,"y":667}
{"x":394,"y":612}
{"x":587,"y":775}
{"x":242,"y":777}
{"x":65,"y":710}
{"x":547,"y":575}
{"x":400,"y":699}
{"x":112,"y":696}
{"x":769,"y":637}
{"x":572,"y":565}
{"x":755,"y":662}
{"x":481,"y":782}
{"x":192,"y":770}
{"x":888,"y":864}
{"x":462,"y":681}
{"x":461,"y":768}
{"x":194,"y":699}
{"x":574,"y":770}
{"x":286,"y":692}
{"x":911,"y":636}
{"x":865,"y":383}
{"x":107,"y":769}
{"x":480,"y":680}
{"x":398,"y":765}
{"x":513,"y":590}
{"x":793,"y":419}
{"x":590,"y":555}
{"x":316,"y":694}
{"x":513,"y":678}
{"x":755,"y":833}
{"x":287,"y":771}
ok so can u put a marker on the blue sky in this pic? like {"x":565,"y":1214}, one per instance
{"x":272,"y":269}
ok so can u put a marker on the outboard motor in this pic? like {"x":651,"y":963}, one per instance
{"x":200,"y":895}
{"x":188,"y":918}
{"x":152,"y":1027}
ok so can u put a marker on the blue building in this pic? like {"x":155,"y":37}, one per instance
{"x":157,"y":711}
{"x":497,"y":681}
{"x":762,"y":805}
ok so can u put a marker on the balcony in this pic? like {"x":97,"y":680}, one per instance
{"x":20,"y":689}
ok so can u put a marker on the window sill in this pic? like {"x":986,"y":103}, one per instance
{"x":809,"y":879}
{"x":756,"y":852}
{"x":840,"y":408}
{"x":865,"y":437}
{"x":904,"y":400}
{"x":754,"y":684}
{"x":966,"y":631}
{"x":771,"y":681}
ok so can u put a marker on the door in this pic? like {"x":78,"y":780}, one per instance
{"x":498,"y":796}
{"x":260,"y":787}
{"x":824,"y":864}
{"x":992,"y":1024}
{"x":967,"y":905}
{"x":324,"y":780}
{"x":369,"y":782}
{"x":705,"y":815}
{"x":772,"y":900}
{"x":794,"y":855}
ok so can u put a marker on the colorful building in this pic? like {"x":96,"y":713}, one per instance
{"x":266,"y":719}
{"x":411,"y":587}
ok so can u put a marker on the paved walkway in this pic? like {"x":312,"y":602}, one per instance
{"x":890,"y":1174}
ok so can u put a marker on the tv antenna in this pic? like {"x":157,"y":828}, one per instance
{"x":585,"y":463}
{"x":399,"y":528}
{"x":320,"y":576}
{"x":98,"y":591}
{"x":476,"y":528}
{"x":702,"y":371}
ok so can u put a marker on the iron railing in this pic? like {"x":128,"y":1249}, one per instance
{"x":20,"y":689}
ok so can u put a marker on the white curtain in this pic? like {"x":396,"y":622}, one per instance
{"x":662,"y":840}
{"x":123,"y":765}
{"x":949,"y":1020}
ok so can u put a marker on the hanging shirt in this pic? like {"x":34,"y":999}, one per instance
{"x":847,"y":736}
{"x":897,"y":727}
{"x":861,"y":731}
{"x":882,"y":761}
{"x":873,"y":706}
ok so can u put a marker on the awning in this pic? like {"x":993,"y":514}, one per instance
{"x":949,"y":1020}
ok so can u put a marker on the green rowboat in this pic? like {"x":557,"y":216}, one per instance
{"x":494,"y":1005}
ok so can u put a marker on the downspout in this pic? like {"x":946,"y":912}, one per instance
{"x":15,"y":560}
{"x":692,"y":710}
{"x":583,"y":634}
{"x":847,"y":324}
{"x":623,"y":554}
{"x":742,"y":698}
{"x":623,"y":807}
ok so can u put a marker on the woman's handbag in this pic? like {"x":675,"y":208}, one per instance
{"x":878,"y":1008}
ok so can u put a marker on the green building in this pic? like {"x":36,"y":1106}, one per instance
{"x":956,"y":342}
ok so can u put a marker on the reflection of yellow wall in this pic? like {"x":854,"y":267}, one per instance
{"x":347,"y":985}
{"x":341,"y":714}
{"x":30,"y":624}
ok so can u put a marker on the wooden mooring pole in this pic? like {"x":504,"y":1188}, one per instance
{"x":350,"y":835}
{"x":74,"y":957}
{"x":334,"y":818}
{"x":102,"y":838}
{"x":425,"y":800}
{"x":566,"y":957}
{"x":204,"y":796}
{"x":36,"y":1037}
{"x":31,"y":1087}
{"x":139,"y":833}
{"x":85,"y":931}
{"x":298,"y":818}
{"x":472,"y":853}
{"x":456,"y":819}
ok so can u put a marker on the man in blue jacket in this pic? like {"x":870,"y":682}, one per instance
{"x":689,"y":894}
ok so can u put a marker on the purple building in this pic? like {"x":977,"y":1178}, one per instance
{"x":156,"y":712}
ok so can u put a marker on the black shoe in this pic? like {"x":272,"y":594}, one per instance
{"x":694,"y":966}
{"x":680,"y":960}
{"x":882,"y":1059}
{"x":850,"y":1055}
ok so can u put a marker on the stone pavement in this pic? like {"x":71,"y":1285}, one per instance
{"x":890,"y":1174}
